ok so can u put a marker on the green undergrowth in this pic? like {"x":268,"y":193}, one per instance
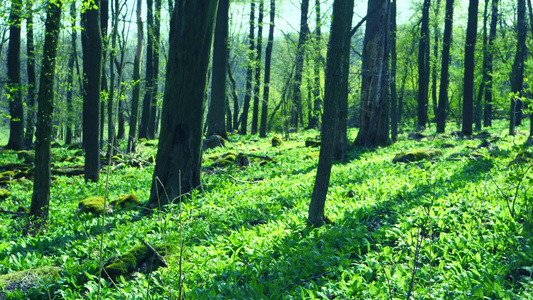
{"x":455,"y":226}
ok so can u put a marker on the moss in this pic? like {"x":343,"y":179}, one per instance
{"x":416,"y":155}
{"x":225,"y":159}
{"x":277,"y":141}
{"x":4,"y":193}
{"x":242,"y":160}
{"x":27,"y":279}
{"x":26,"y":155}
{"x":313,"y":155}
{"x":215,"y":141}
{"x":8,"y":174}
{"x":124,"y":200}
{"x":143,"y":140}
{"x":94,"y":205}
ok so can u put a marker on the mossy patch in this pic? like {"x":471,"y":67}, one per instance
{"x":93,"y":205}
{"x":416,"y":155}
{"x":215,"y":141}
{"x":27,"y":279}
{"x":225,"y":159}
{"x":125,"y":200}
{"x":313,"y":155}
{"x":137,"y":258}
{"x":277,"y":141}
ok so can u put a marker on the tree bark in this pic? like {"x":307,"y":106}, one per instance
{"x":32,"y":81}
{"x":215,"y":117}
{"x":268,"y":63}
{"x":434,"y":73}
{"x":338,"y":48}
{"x":468,"y":92}
{"x":70,"y":76}
{"x":444,"y":74}
{"x":40,"y":200}
{"x":92,"y":67}
{"x":257,"y":85}
{"x":153,"y":124}
{"x":135,"y":97}
{"x":488,"y":61}
{"x":393,"y":71}
{"x":298,"y":72}
{"x":423,"y":71}
{"x":517,"y":74}
{"x":147,"y":100}
{"x":16,"y":109}
{"x":374,"y":113}
{"x":179,"y":156}
{"x":249,"y":73}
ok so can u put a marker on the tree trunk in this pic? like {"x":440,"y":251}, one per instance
{"x":16,"y":109}
{"x":468,"y":92}
{"x":104,"y":20}
{"x":257,"y":86}
{"x":249,"y":73}
{"x":70,"y":76}
{"x":423,"y":71}
{"x":216,"y":114}
{"x":517,"y":74}
{"x":147,"y":100}
{"x":153,"y":124}
{"x":298,"y":72}
{"x":488,"y":61}
{"x":436,"y":55}
{"x":392,"y":75}
{"x":374,"y":113}
{"x":314,"y":121}
{"x":32,"y":82}
{"x":92,"y":67}
{"x":40,"y":200}
{"x":530,"y":106}
{"x":268,"y":63}
{"x":234,"y":95}
{"x":136,"y":93}
{"x":179,"y":156}
{"x":444,"y":74}
{"x":338,"y":48}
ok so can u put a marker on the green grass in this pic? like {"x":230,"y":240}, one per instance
{"x":246,"y":238}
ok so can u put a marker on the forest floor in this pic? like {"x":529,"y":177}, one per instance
{"x":455,"y":226}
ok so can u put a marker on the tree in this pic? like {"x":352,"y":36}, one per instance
{"x":338,"y":48}
{"x":257,"y":85}
{"x":148,"y":93}
{"x":299,"y":65}
{"x":444,"y":74}
{"x":393,"y":68}
{"x":152,"y":125}
{"x":216,"y":114}
{"x":517,"y":74}
{"x":470,"y":46}
{"x":179,"y":155}
{"x":41,"y":187}
{"x":436,"y":34}
{"x":249,"y":73}
{"x":16,"y":109}
{"x":70,"y":76}
{"x":91,"y":39}
{"x":374,"y":129}
{"x":314,"y":121}
{"x":423,"y":67}
{"x":135,"y":97}
{"x":268,"y":63}
{"x":32,"y":81}
{"x":488,"y":65}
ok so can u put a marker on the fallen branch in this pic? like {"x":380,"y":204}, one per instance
{"x":161,"y":258}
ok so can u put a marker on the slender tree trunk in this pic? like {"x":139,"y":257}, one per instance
{"x":468,"y":92}
{"x":153,"y":124}
{"x":423,"y":72}
{"x":92,"y":67}
{"x":530,"y":106}
{"x":215,"y":117}
{"x":249,"y":73}
{"x":338,"y":48}
{"x":70,"y":77}
{"x":314,"y":121}
{"x":298,"y":72}
{"x":32,"y":81}
{"x":434,"y":76}
{"x":104,"y":20}
{"x":268,"y":63}
{"x":41,"y":187}
{"x":488,"y":61}
{"x":393,"y":58}
{"x":147,"y":100}
{"x":257,"y":86}
{"x":517,"y":74}
{"x":179,"y":156}
{"x":444,"y":74}
{"x":374,"y":112}
{"x":234,"y":95}
{"x":16,"y":109}
{"x":135,"y":98}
